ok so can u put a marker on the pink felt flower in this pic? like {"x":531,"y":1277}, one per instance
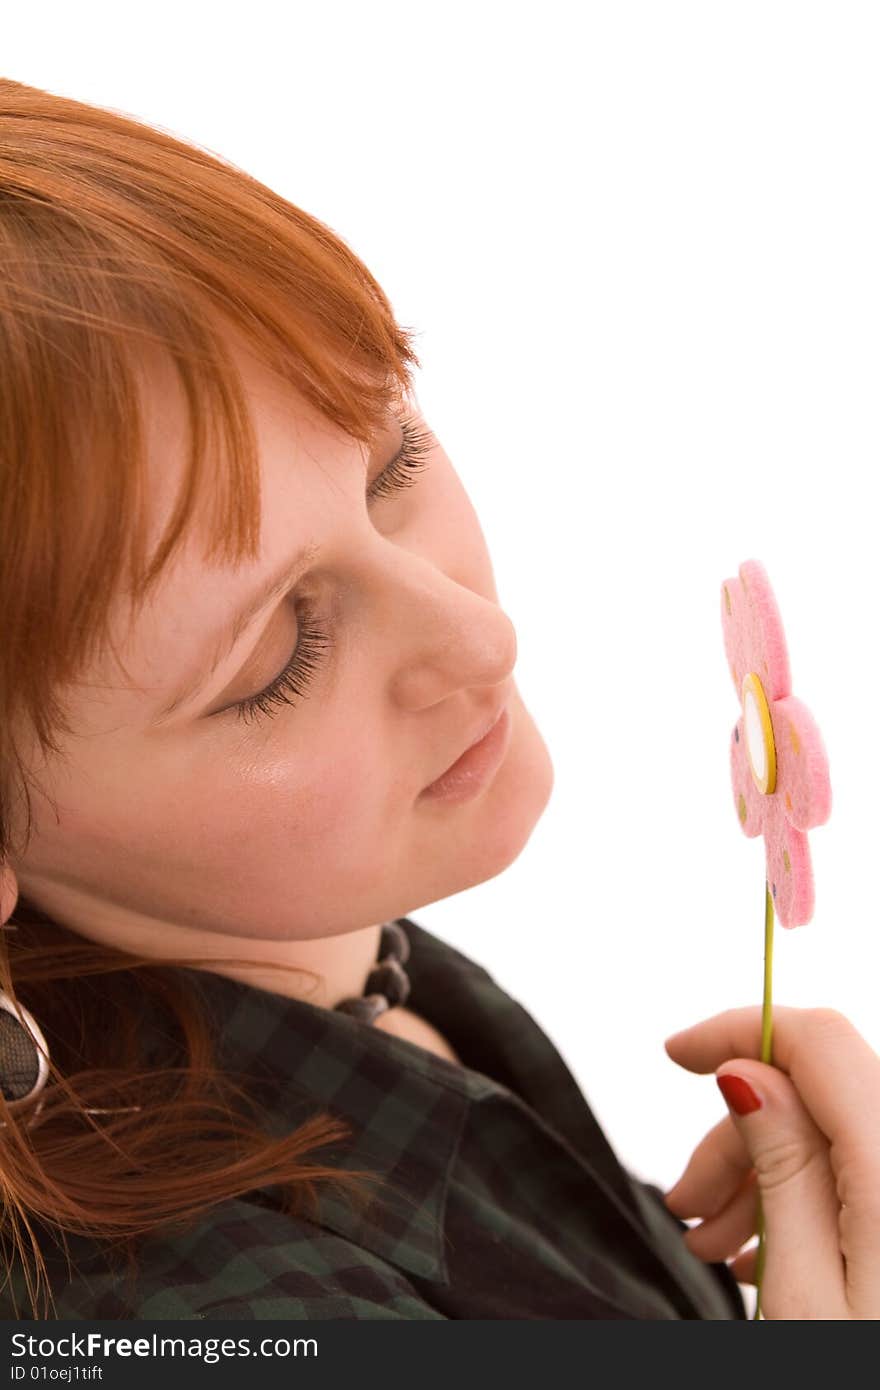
{"x":778,"y":762}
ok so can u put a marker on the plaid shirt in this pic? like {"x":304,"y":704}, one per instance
{"x":507,"y":1201}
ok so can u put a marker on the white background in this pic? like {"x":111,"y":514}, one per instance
{"x":640,"y":244}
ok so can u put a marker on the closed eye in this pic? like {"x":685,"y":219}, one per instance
{"x":411,"y":459}
{"x":313,"y":638}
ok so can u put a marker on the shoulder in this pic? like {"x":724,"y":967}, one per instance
{"x":240,"y":1260}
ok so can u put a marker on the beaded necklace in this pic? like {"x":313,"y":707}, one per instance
{"x":387,"y":983}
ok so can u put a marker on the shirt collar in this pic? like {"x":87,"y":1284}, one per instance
{"x":406,"y":1106}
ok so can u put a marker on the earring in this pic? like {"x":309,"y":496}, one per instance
{"x":24,"y":1054}
{"x":24,"y":1060}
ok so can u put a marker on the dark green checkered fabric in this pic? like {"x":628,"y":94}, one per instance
{"x":507,"y":1201}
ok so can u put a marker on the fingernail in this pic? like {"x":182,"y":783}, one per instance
{"x":738,"y":1094}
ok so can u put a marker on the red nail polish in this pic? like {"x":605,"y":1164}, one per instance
{"x":738,"y":1094}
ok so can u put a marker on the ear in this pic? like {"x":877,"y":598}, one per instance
{"x":8,"y":892}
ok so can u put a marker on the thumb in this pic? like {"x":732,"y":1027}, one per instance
{"x":804,"y":1273}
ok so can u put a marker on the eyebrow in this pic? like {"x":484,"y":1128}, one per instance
{"x":233,"y":630}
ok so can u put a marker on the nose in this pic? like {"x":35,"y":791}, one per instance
{"x":440,"y":635}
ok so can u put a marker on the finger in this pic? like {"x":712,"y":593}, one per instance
{"x":835,"y":1072}
{"x":744,"y":1266}
{"x":804,"y":1274}
{"x":714,"y":1174}
{"x":724,"y":1234}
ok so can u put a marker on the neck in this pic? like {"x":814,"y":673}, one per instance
{"x":342,"y":963}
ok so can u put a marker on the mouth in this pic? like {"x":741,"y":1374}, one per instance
{"x":475,"y":766}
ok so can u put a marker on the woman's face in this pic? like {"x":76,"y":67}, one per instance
{"x":304,"y":821}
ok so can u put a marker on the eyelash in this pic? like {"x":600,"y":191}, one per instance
{"x":313,"y":641}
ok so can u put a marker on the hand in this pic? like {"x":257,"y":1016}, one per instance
{"x":809,"y":1140}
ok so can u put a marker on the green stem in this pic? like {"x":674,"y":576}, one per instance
{"x":766,"y":1056}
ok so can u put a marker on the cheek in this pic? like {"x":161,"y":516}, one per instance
{"x":323,"y":804}
{"x":206,"y":809}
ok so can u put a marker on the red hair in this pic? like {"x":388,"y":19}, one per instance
{"x":115,"y":237}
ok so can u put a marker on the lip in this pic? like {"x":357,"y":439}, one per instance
{"x":477,"y":764}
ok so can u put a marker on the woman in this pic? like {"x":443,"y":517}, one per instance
{"x":241,"y":671}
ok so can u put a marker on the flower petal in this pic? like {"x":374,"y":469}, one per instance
{"x":789,"y":867}
{"x":749,"y":802}
{"x":735,"y":629}
{"x":802,"y":778}
{"x":754,"y":639}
